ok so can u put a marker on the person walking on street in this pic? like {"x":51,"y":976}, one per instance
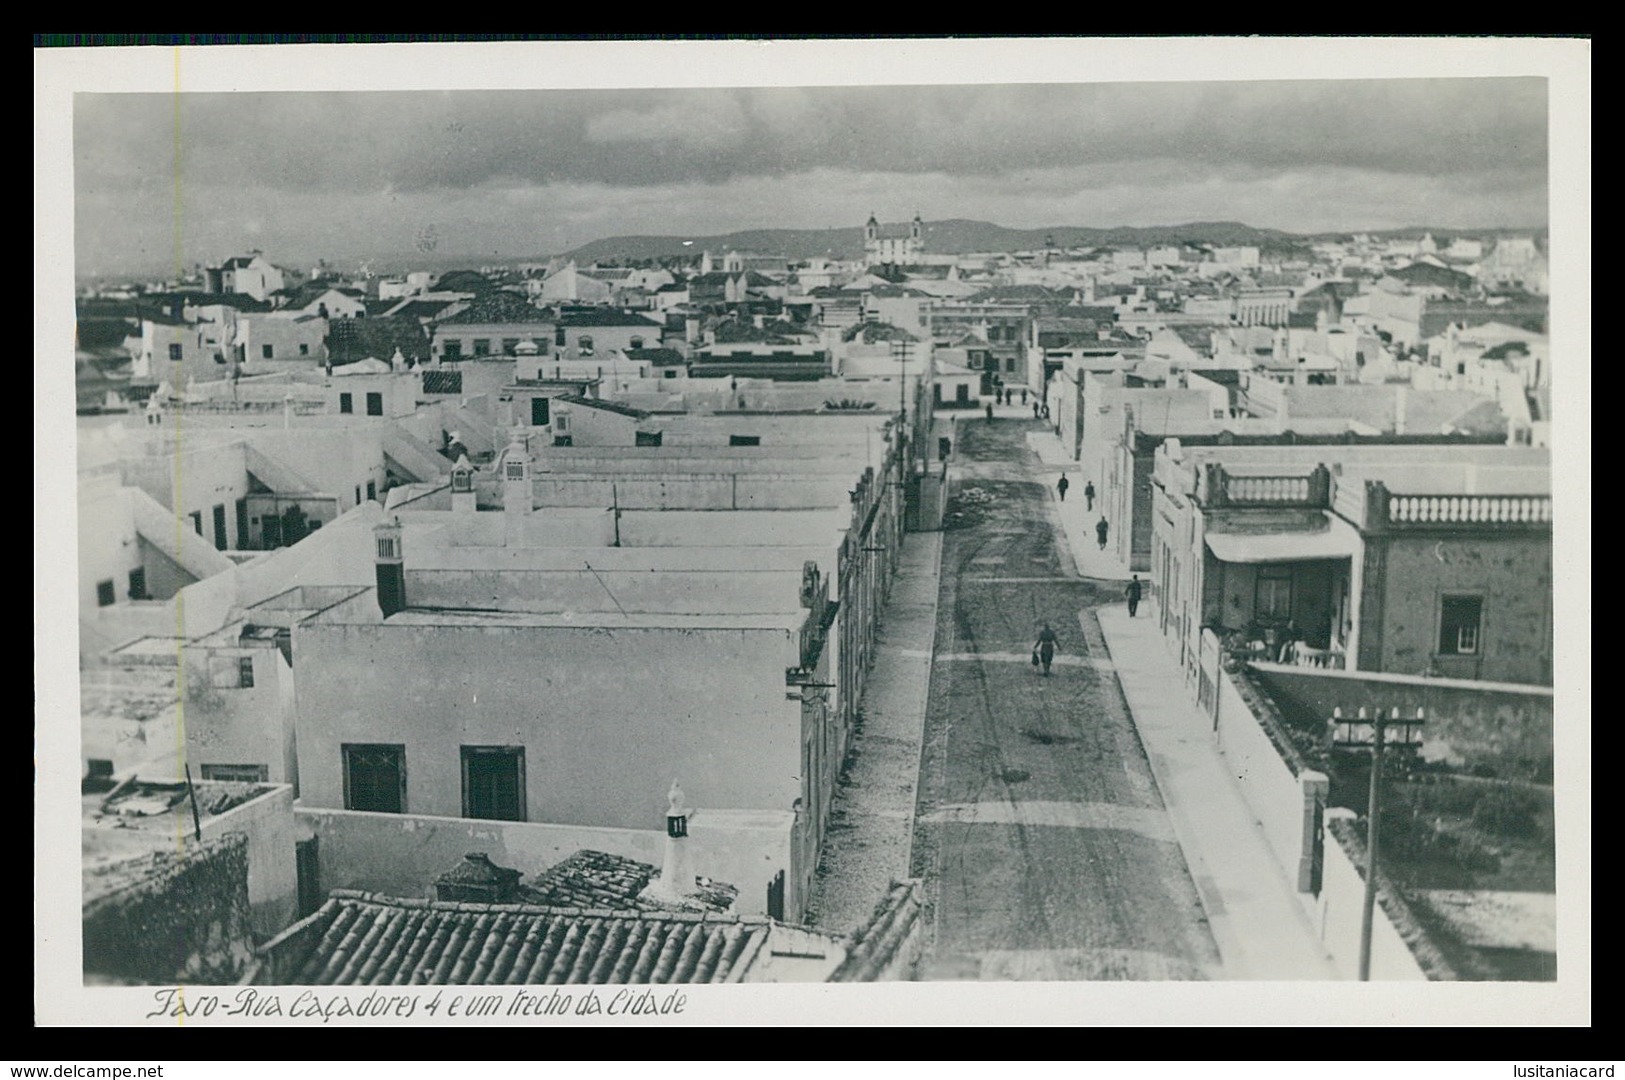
{"x":1089,"y":494}
{"x":1061,"y":485}
{"x":1024,"y":395}
{"x":1044,"y":648}
{"x":990,"y":410}
{"x":1100,"y":532}
{"x":1134,"y":591}
{"x":1035,"y":409}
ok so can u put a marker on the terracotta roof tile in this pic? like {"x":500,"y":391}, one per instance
{"x":374,"y":940}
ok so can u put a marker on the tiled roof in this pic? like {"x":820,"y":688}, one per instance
{"x":1506,"y":349}
{"x":464,"y":281}
{"x":1199,"y":338}
{"x":777,"y":332}
{"x":357,"y":339}
{"x":605,"y":317}
{"x":660,"y":357}
{"x":1422,"y":273}
{"x":888,"y":941}
{"x":873,"y":333}
{"x":606,"y":406}
{"x":499,"y":307}
{"x":423,"y":309}
{"x":359,"y":938}
{"x":594,"y":879}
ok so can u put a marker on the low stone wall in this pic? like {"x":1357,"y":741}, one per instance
{"x":184,"y":919}
{"x":1275,"y":782}
{"x":1288,"y":796}
{"x":1505,"y":728}
{"x":1400,"y":948}
{"x":402,"y":854}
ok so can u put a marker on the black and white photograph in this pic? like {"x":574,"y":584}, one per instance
{"x":583,"y":523}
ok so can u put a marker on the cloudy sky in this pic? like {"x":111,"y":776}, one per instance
{"x":524,"y":173}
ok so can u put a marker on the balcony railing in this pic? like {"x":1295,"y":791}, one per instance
{"x":1223,"y":488}
{"x":1469,"y":509}
{"x":1267,"y":489}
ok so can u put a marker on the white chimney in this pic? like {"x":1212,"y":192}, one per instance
{"x":463,"y":499}
{"x":676,"y":879}
{"x":516,"y":487}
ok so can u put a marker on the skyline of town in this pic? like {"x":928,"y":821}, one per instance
{"x":396,"y":316}
{"x":165,"y":178}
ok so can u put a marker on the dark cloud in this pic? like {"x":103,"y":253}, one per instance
{"x":427,"y":140}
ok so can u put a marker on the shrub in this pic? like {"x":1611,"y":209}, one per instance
{"x":1505,"y":813}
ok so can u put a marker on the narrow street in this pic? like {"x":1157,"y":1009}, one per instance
{"x":1044,"y":845}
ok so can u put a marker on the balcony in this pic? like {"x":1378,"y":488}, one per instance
{"x":1220,"y":488}
{"x":1386,"y":509}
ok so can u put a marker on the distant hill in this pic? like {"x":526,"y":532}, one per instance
{"x":955,"y":236}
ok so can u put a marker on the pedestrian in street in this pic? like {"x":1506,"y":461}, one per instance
{"x":990,"y":410}
{"x":1044,"y":648}
{"x":1035,"y":410}
{"x":1134,"y":591}
{"x":1100,"y":532}
{"x":1061,"y":485}
{"x":1024,"y":395}
{"x":1089,"y":495}
{"x":1046,"y":411}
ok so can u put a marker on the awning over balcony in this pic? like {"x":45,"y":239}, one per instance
{"x":1338,"y":540}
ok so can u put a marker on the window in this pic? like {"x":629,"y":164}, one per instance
{"x":237,"y":774}
{"x":513,"y":469}
{"x":138,"y":583}
{"x":584,"y":344}
{"x":482,"y":346}
{"x":647,"y":438}
{"x":538,"y":412}
{"x":372,"y":491}
{"x":494,"y":782}
{"x":375,"y":778}
{"x":175,"y":351}
{"x":106,"y":594}
{"x":453,"y":350}
{"x":245,"y":673}
{"x":375,"y":404}
{"x":1010,"y":365}
{"x":744,"y":440}
{"x":1460,"y":620}
{"x":346,"y":403}
{"x":541,"y":345}
{"x":510,"y":346}
{"x":1272,"y":594}
{"x":221,"y":542}
{"x":197,"y":521}
{"x":358,"y":494}
{"x":635,"y":343}
{"x":304,"y":350}
{"x":267,"y":352}
{"x":558,"y":336}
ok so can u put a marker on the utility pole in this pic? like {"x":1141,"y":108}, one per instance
{"x":1345,"y":737}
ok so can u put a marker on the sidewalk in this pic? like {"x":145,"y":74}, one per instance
{"x":1078,"y":522}
{"x":871,"y":825}
{"x":1258,"y":922}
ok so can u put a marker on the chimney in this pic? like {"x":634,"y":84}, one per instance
{"x":462,"y":486}
{"x":1401,"y":404}
{"x":691,"y":330}
{"x":477,"y":880}
{"x":391,"y":568}
{"x":516,"y":488}
{"x":676,"y":879}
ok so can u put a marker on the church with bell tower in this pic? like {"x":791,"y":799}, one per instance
{"x":896,"y":244}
